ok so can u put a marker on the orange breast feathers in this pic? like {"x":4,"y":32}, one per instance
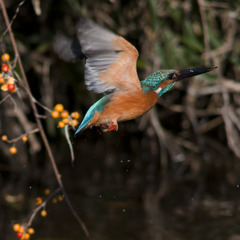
{"x":125,"y":106}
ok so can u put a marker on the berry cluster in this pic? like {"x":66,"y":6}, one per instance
{"x":7,"y":81}
{"x":39,"y":201}
{"x":65,"y":117}
{"x":23,"y":233}
{"x":13,"y":149}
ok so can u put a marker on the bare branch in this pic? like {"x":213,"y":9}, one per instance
{"x":39,"y":124}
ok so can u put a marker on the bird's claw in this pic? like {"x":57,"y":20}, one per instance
{"x":109,"y":127}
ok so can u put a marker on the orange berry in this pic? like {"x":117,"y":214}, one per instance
{"x":64,"y":114}
{"x":4,"y":138}
{"x":61,"y":124}
{"x":13,"y":150}
{"x":55,"y":114}
{"x":26,"y":236}
{"x":59,"y":107}
{"x":65,"y":120}
{"x":54,"y":200}
{"x":31,"y":231}
{"x":47,"y":191}
{"x":74,"y":122}
{"x":5,"y":67}
{"x":24,"y":138}
{"x":5,"y":57}
{"x":75,"y":115}
{"x":4,"y":87}
{"x":21,"y":229}
{"x":43,"y":213}
{"x":16,"y":227}
{"x":39,"y":200}
{"x":60,"y":198}
{"x":11,"y":80}
{"x":2,"y":80}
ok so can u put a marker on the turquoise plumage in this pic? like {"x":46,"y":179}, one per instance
{"x":153,"y":81}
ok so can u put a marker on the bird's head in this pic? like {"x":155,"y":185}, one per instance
{"x":162,"y":80}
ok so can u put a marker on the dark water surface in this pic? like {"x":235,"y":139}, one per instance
{"x":113,"y":189}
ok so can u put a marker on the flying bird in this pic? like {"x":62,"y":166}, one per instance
{"x":110,"y":68}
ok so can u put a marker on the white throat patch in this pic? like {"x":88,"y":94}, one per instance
{"x":158,"y":90}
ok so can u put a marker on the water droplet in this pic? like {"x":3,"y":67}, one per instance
{"x":124,"y":210}
{"x":237,"y":185}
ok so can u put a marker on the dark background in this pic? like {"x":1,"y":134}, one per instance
{"x":170,"y":174}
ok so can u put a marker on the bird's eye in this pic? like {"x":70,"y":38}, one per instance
{"x":174,"y":76}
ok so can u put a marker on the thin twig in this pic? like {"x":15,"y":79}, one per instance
{"x":216,"y":5}
{"x":20,"y":137}
{"x":13,"y":18}
{"x":36,"y":210}
{"x":5,"y":98}
{"x":41,"y":105}
{"x":164,"y":184}
{"x":39,"y":124}
{"x":205,"y":27}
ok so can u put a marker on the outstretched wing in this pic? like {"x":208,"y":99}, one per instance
{"x":67,"y":49}
{"x":111,"y":60}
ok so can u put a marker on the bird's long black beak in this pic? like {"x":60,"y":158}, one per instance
{"x":179,"y":75}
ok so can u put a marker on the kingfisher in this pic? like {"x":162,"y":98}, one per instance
{"x":110,"y":68}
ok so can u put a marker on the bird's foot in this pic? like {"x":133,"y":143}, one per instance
{"x":109,"y":127}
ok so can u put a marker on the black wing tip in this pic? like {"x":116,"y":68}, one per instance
{"x":66,"y":48}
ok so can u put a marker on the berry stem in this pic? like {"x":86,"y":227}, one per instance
{"x":20,"y":137}
{"x":5,"y":98}
{"x":69,"y":143}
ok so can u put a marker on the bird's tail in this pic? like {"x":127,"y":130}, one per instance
{"x":91,"y":116}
